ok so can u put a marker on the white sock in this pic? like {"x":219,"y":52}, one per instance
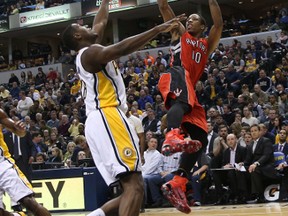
{"x":97,"y":212}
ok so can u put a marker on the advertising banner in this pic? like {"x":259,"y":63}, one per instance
{"x":47,"y":15}
{"x":92,"y":6}
{"x":57,"y":194}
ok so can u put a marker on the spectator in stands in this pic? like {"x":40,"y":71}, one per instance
{"x":283,"y":105}
{"x":55,"y":141}
{"x":81,"y":145}
{"x":277,"y":125}
{"x":259,"y":94}
{"x":233,"y":78}
{"x":170,"y":164}
{"x":272,"y":101}
{"x":153,"y":164}
{"x":151,"y":123}
{"x":14,"y":9}
{"x":53,"y":121}
{"x":34,"y":109}
{"x":212,"y":90}
{"x":197,"y":176}
{"x":34,"y":94}
{"x":64,"y":126}
{"x":4,"y":93}
{"x":12,"y":79}
{"x":38,"y":145}
{"x":284,"y":17}
{"x":232,"y":155}
{"x":40,"y":157}
{"x":15,"y":90}
{"x":228,"y":115}
{"x":230,"y":99}
{"x":74,"y":127}
{"x":40,"y":78}
{"x":56,"y":155}
{"x":69,"y":152}
{"x":265,"y":133}
{"x":147,"y":57}
{"x":40,"y":5}
{"x":248,"y":118}
{"x":282,"y":146}
{"x":279,"y":78}
{"x":144,"y":98}
{"x":259,"y":162}
{"x":50,"y":59}
{"x":52,"y":74}
{"x":80,"y":156}
{"x":238,"y":63}
{"x":264,"y":81}
{"x":24,"y":104}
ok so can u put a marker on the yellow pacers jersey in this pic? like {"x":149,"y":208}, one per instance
{"x":4,"y":151}
{"x":102,"y":89}
{"x":10,"y":163}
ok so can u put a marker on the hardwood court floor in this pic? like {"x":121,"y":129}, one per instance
{"x":271,"y":209}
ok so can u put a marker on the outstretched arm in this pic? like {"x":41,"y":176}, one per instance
{"x":216,"y":29}
{"x":168,"y":14}
{"x":100,"y":20}
{"x":15,"y":127}
{"x":97,"y":55}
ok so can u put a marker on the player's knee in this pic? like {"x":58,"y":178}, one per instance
{"x":30,"y":203}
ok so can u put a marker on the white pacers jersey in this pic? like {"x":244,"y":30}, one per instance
{"x":102,"y":89}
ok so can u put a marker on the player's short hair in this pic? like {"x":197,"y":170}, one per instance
{"x":67,"y":38}
{"x":202,"y":20}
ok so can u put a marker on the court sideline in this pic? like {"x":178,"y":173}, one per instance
{"x":271,"y":209}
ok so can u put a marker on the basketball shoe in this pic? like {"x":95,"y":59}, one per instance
{"x":175,"y":142}
{"x":174,"y":191}
{"x":20,"y":213}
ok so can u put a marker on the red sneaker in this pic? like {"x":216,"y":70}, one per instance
{"x":174,"y":191}
{"x":175,"y":142}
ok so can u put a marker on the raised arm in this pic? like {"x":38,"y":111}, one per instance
{"x":97,"y":55}
{"x":100,"y":20}
{"x":168,"y":14}
{"x":216,"y":29}
{"x":15,"y":127}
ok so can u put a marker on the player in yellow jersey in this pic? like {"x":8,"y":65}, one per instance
{"x":12,"y":180}
{"x":112,"y":140}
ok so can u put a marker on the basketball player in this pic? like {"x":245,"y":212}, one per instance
{"x":12,"y":180}
{"x":113,"y":143}
{"x":190,"y":52}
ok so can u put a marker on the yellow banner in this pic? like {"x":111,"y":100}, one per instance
{"x":57,"y":194}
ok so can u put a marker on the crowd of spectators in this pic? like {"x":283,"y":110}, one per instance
{"x":19,"y":6}
{"x":243,"y":85}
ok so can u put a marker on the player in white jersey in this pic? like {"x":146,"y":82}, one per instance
{"x":12,"y":180}
{"x":112,"y":141}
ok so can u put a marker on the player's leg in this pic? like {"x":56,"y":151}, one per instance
{"x":118,"y":160}
{"x":175,"y":189}
{"x":19,"y":189}
{"x":129,"y":202}
{"x":32,"y":205}
{"x":174,"y":141}
{"x":133,"y":192}
{"x":6,"y":213}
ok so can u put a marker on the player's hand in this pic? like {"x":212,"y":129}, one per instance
{"x":19,"y":125}
{"x":171,"y":24}
{"x":252,"y":168}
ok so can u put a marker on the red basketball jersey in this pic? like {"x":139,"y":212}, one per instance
{"x":194,"y":54}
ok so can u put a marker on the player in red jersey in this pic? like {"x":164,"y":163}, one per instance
{"x":189,"y":54}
